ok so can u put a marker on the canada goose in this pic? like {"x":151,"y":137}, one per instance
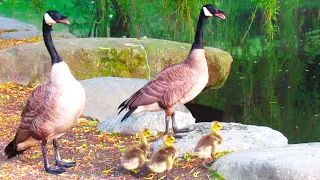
{"x":136,"y":155}
{"x":52,"y":108}
{"x":162,"y":159}
{"x":176,"y":84}
{"x":208,"y":144}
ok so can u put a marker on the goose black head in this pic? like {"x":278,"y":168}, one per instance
{"x":53,"y":17}
{"x":211,"y":10}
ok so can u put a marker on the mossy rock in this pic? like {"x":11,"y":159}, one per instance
{"x":97,"y":57}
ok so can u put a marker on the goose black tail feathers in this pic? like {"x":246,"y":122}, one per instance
{"x":11,"y":150}
{"x":128,"y":113}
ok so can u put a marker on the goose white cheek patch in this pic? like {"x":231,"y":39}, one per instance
{"x":206,"y":12}
{"x":49,"y":20}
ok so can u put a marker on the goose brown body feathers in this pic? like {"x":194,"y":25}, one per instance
{"x":176,"y":84}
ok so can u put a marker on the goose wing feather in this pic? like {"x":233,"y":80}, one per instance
{"x":34,"y":107}
{"x":167,"y":87}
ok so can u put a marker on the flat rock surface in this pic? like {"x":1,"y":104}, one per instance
{"x":290,"y":162}
{"x":235,"y":137}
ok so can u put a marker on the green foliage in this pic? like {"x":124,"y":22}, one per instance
{"x":271,"y":9}
{"x":187,"y":156}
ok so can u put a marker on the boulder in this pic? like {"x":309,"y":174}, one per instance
{"x":296,"y":161}
{"x":96,"y":57}
{"x":235,"y":137}
{"x":14,"y":29}
{"x":12,"y":25}
{"x":105,"y":94}
{"x":33,"y":34}
{"x":152,"y":120}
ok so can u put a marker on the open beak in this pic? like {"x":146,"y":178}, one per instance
{"x":64,"y":21}
{"x":220,"y":15}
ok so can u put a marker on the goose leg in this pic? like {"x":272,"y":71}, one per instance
{"x":47,"y":167}
{"x":174,"y":126}
{"x":167,"y":124}
{"x":58,"y":161}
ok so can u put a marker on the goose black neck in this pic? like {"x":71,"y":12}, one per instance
{"x":46,"y":30}
{"x":198,"y":39}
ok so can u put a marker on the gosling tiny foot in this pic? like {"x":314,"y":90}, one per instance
{"x":65,"y":164}
{"x":52,"y":170}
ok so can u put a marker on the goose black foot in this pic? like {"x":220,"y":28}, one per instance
{"x":177,"y":136}
{"x":65,"y":164}
{"x":183,"y":130}
{"x":52,"y":170}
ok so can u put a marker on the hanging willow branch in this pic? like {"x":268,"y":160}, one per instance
{"x":252,"y":19}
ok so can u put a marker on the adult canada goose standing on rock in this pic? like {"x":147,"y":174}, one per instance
{"x":52,"y":108}
{"x":176,"y":84}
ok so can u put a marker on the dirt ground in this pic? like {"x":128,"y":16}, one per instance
{"x":97,"y":154}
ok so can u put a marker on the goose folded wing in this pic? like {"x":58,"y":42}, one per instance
{"x":33,"y":108}
{"x":167,"y":87}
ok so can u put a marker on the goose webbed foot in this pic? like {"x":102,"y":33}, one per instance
{"x":65,"y":164}
{"x":47,"y":167}
{"x":58,"y":161}
{"x":183,"y":130}
{"x":53,"y":170}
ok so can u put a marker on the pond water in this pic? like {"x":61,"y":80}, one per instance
{"x":275,"y":75}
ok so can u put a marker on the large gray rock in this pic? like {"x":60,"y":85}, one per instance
{"x":96,"y":57}
{"x":105,"y":94}
{"x":8,"y":24}
{"x":291,"y":162}
{"x":152,"y":120}
{"x":235,"y":137}
{"x":14,"y":29}
{"x":34,"y":33}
